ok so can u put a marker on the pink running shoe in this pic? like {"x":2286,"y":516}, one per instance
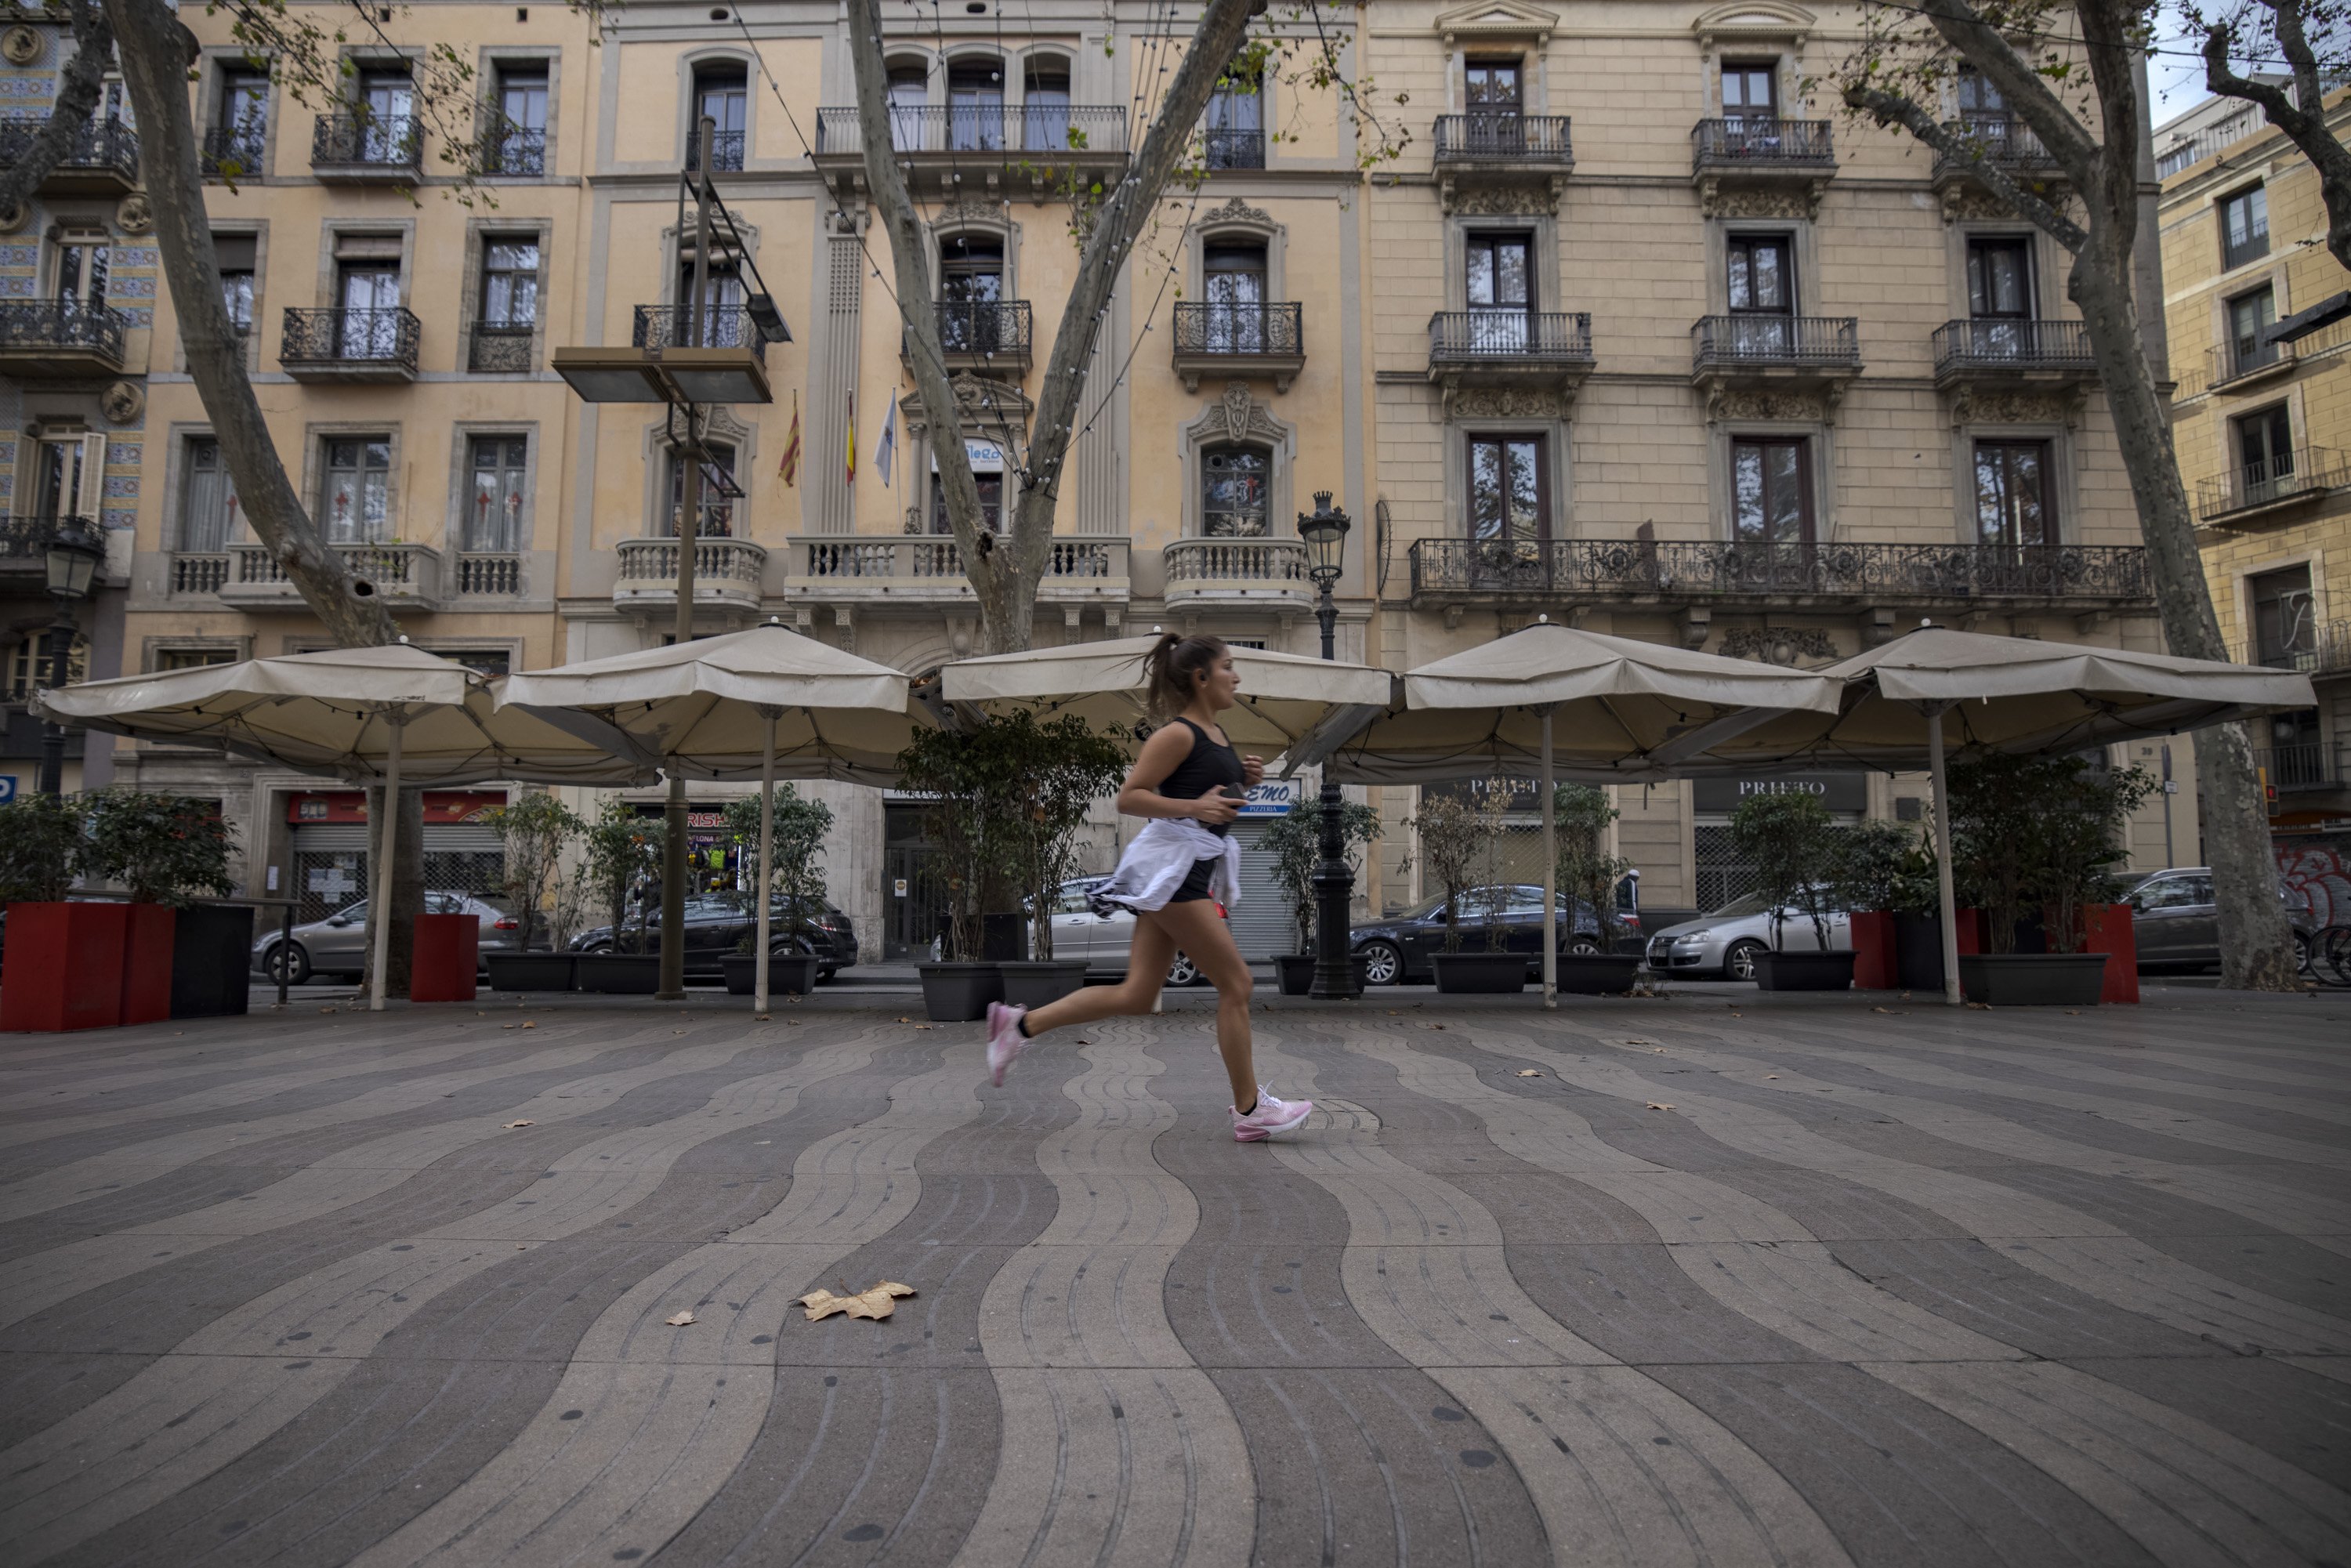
{"x":1271,"y":1117}
{"x":1005,"y":1040}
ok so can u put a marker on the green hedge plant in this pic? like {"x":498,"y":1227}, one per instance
{"x":40,"y":844}
{"x":163,"y":848}
{"x":624,"y":849}
{"x":1587,"y":873}
{"x":800,"y":826}
{"x":1790,"y":840}
{"x":1295,"y":843}
{"x":536,"y":828}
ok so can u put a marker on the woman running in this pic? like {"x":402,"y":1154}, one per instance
{"x":1190,"y":783}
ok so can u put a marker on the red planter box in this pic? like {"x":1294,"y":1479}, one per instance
{"x":1873,"y":950}
{"x":2107,"y":928}
{"x":63,"y":967}
{"x":447,"y":957}
{"x":149,"y":930}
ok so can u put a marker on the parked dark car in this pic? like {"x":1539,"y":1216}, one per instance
{"x":2175,"y":924}
{"x":1397,"y":949}
{"x":717,"y":924}
{"x":337,"y":946}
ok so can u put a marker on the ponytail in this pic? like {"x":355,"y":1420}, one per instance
{"x":1172,"y":668}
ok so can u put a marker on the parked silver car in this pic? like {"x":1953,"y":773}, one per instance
{"x":1723,"y":945}
{"x":2175,"y":924}
{"x":337,"y":946}
{"x":1103,"y":940}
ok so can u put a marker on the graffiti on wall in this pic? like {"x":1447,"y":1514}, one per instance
{"x":2322,"y":874}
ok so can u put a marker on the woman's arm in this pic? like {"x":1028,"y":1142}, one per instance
{"x":1161,"y":755}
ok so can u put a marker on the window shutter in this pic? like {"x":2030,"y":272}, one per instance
{"x":367,"y":247}
{"x":235,"y":252}
{"x":91,"y":500}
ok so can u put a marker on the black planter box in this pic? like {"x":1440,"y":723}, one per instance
{"x":1032,"y":983}
{"x":1479,"y":974}
{"x":620,"y":974}
{"x":1597,"y":973}
{"x":788,"y":974}
{"x":960,"y":993}
{"x":532,"y":971}
{"x":2034,"y":980}
{"x":1294,"y":973}
{"x":1918,"y":952}
{"x":211,"y":953}
{"x":1803,"y":971}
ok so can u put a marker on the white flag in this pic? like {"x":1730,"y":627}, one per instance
{"x":885,"y":457}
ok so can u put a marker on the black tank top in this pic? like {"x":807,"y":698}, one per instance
{"x":1207,"y":767}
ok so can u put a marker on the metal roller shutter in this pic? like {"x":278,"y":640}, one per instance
{"x":1261,"y":923}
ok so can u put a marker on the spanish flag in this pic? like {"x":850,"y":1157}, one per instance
{"x":851,"y":411}
{"x":790,"y":470}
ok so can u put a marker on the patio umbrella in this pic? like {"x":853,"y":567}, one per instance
{"x":761,"y":702}
{"x":1633,"y":712}
{"x":393,"y":716}
{"x":2005,"y":694}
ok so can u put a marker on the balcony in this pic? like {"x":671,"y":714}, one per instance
{"x":1838,"y":577}
{"x":1757,"y":153}
{"x":1232,"y":148}
{"x":2306,"y":776}
{"x":489,"y":576}
{"x":2012,"y":353}
{"x":1489,"y":150}
{"x":51,"y":339}
{"x":726,"y":152}
{"x":1509,"y":347}
{"x":978,"y":150}
{"x":2262,"y":492}
{"x":1240,"y":339}
{"x":727,"y":573}
{"x":368,"y":149}
{"x":199,"y":571}
{"x":500,"y":349}
{"x":1233,"y":571}
{"x":1998,"y":140}
{"x":233,"y":154}
{"x":1802,"y":352}
{"x":101,"y":160}
{"x":25,"y":545}
{"x":350,"y":345}
{"x":924,"y":570}
{"x":2324,"y":651}
{"x":404,"y":575}
{"x":2234,"y":366}
{"x":512,"y":151}
{"x":988,"y":336}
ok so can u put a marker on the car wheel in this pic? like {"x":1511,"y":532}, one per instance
{"x":1182,"y":971}
{"x":2301,"y":954}
{"x":290,"y":957}
{"x":1584,"y":948}
{"x":1738,"y":963}
{"x":1382,"y":964}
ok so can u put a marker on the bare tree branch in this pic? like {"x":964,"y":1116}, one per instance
{"x":76,"y":101}
{"x":1893,"y":109}
{"x":2302,"y":116}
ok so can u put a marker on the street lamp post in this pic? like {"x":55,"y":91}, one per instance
{"x":1324,"y":532}
{"x":73,"y":556}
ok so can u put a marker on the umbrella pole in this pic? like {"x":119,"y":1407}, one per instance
{"x":1948,"y":900}
{"x":767,"y":863}
{"x":1550,"y":873}
{"x":380,"y":901}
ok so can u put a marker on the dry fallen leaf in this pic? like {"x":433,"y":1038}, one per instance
{"x":512,"y":1125}
{"x":530,"y":1026}
{"x":1980,"y":1007}
{"x":926,"y":1026}
{"x":2072,"y":1012}
{"x":1528,"y":1072}
{"x":906,"y":1020}
{"x":1898,"y":1012}
{"x":877,"y":1303}
{"x":679,"y":1320}
{"x":1661,"y":1050}
{"x":1640,"y":1042}
{"x":1656,"y":1106}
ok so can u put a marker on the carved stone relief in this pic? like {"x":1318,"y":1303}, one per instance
{"x":20,"y":46}
{"x":1731,"y":404}
{"x":1495,"y":196}
{"x":1245,"y":418}
{"x":1777,"y":645}
{"x":1236,"y":211}
{"x":967,"y":210}
{"x":135,"y":214}
{"x":2008,"y":405}
{"x":1717,"y":200}
{"x":1508,"y":402}
{"x":13,"y":218}
{"x":121,"y":402}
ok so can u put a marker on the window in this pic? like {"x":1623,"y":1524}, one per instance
{"x":208,"y":514}
{"x":2244,"y":226}
{"x":910,"y":94}
{"x":724,"y":325}
{"x":988,"y":476}
{"x":517,"y":137}
{"x":237,"y":254}
{"x":242,"y":131}
{"x":1234,"y":132}
{"x":510,"y":283}
{"x":30,"y":664}
{"x":1772,"y":490}
{"x":490,"y":661}
{"x":976,"y":106}
{"x":2000,"y":278}
{"x":1762,"y":293}
{"x":717,"y":519}
{"x":501,"y":469}
{"x":386,"y":108}
{"x":1235,"y":493}
{"x":2265,"y":454}
{"x":1509,"y":500}
{"x":68,"y":476}
{"x":971,"y":289}
{"x":79,"y":267}
{"x":194,"y":658}
{"x":2285,"y":633}
{"x":1748,"y":91}
{"x":1234,"y":277}
{"x":1500,"y":278}
{"x":1045,"y":123}
{"x":2251,"y":317}
{"x":367,"y":291}
{"x":1493,"y":87}
{"x":721,"y":95}
{"x":1979,"y":98}
{"x":358,"y":498}
{"x":2014,"y":504}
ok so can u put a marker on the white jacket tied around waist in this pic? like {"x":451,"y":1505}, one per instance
{"x":1155,"y":864}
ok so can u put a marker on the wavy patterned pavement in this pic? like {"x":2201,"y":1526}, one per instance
{"x":1788,"y":1282}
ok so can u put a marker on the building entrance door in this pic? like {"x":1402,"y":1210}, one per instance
{"x":914,"y":893}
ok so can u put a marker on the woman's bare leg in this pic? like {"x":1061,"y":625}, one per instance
{"x":1201,"y":933}
{"x":1147,"y":959}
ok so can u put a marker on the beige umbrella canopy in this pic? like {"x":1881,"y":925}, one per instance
{"x":1283,"y":696}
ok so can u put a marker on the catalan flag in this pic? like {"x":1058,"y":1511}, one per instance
{"x":851,"y":411}
{"x":790,"y":470}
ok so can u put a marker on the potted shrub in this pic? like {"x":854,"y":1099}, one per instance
{"x":1458,"y":840}
{"x":798,"y":885}
{"x":624,"y":853}
{"x":1588,"y":875}
{"x":63,"y":968}
{"x":1916,"y":891}
{"x":1295,"y":843}
{"x":1790,"y":839}
{"x":1867,"y":873}
{"x":1055,"y":773}
{"x":536,"y":830}
{"x":181,"y":958}
{"x":962,"y":772}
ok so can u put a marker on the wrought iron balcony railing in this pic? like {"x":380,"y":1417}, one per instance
{"x":1233,"y":149}
{"x":500,"y":349}
{"x":515,"y":150}
{"x":1502,"y":337}
{"x":672,"y":326}
{"x":385,"y":338}
{"x":984,"y":328}
{"x":2297,"y":475}
{"x":2012,"y":345}
{"x":1240,"y":329}
{"x":391,"y":144}
{"x":234,"y":153}
{"x":1760,"y":141}
{"x":1999,"y":138}
{"x":1497,"y":137}
{"x":2321,"y":649}
{"x":24,"y":541}
{"x":106,"y":147}
{"x":1735,"y":343}
{"x":2305,"y":765}
{"x":978,"y":129}
{"x":725,"y":152}
{"x":63,"y":326}
{"x":2234,"y":359}
{"x":1711,"y":569}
